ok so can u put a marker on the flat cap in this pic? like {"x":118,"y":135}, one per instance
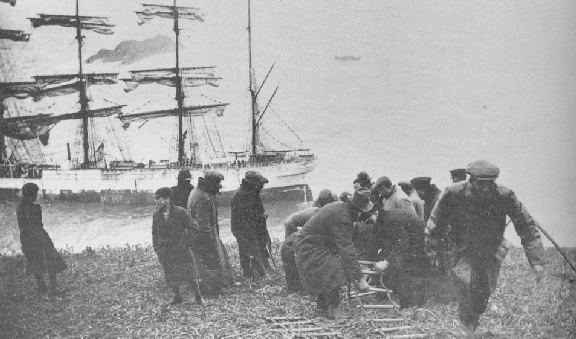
{"x":184,"y":174}
{"x":420,"y":182}
{"x":255,"y":177}
{"x":213,"y":176}
{"x":382,"y":182}
{"x":483,"y":170}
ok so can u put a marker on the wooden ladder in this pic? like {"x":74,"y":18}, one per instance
{"x":390,"y":326}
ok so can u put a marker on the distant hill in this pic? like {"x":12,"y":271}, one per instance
{"x":130,"y":51}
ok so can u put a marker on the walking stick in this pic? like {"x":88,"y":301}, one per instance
{"x":557,"y":247}
{"x":270,"y":255}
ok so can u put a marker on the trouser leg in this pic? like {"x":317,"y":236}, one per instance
{"x":52,"y":280}
{"x":177,"y":296}
{"x":244,"y":255}
{"x":290,"y":270}
{"x":333,"y":297}
{"x":41,"y":285}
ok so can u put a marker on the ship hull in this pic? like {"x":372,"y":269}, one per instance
{"x":137,"y":186}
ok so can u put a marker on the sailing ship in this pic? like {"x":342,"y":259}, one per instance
{"x":97,"y":177}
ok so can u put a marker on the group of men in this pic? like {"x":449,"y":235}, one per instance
{"x":186,"y":233}
{"x":414,"y":233}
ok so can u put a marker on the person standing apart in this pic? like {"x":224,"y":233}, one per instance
{"x":248,"y":224}
{"x":41,"y":256}
{"x":213,"y":261}
{"x":480,"y":207}
{"x":325,"y":255}
{"x":172,"y":239}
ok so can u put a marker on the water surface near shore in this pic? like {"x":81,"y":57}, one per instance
{"x":77,"y":226}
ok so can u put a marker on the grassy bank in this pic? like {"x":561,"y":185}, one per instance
{"x":120,"y":292}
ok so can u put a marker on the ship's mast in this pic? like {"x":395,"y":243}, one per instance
{"x":179,"y":92}
{"x":1,"y":135}
{"x":82,"y":91}
{"x":254,"y":109}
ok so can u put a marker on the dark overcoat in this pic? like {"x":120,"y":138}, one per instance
{"x":213,"y":261}
{"x":324,"y":251}
{"x":248,"y":224}
{"x":172,"y":239}
{"x":41,"y":256}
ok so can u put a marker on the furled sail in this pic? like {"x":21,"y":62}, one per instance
{"x":191,"y":77}
{"x":53,"y":85}
{"x":38,"y":126}
{"x":151,"y":11}
{"x":11,"y":2}
{"x":14,"y":35}
{"x":199,"y":110}
{"x":96,"y":24}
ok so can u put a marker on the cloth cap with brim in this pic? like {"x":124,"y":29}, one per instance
{"x":361,"y":199}
{"x":458,"y":173}
{"x":483,"y":170}
{"x":213,"y":176}
{"x":405,"y":185}
{"x":255,"y":177}
{"x":420,"y":182}
{"x":184,"y":175}
{"x":382,"y":182}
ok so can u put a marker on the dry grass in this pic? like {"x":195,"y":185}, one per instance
{"x":120,"y":292}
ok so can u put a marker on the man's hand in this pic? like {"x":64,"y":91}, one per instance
{"x":539,"y":272}
{"x":362,"y":285}
{"x":380,"y":266}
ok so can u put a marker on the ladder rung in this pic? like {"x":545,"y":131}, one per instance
{"x":408,"y":336}
{"x":394,"y":329}
{"x":284,"y":318}
{"x":356,"y":295}
{"x":388,"y":307}
{"x":377,"y":289}
{"x":293,"y":323}
{"x":371,"y":272}
{"x":388,"y":320}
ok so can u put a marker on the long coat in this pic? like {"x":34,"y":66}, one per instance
{"x":213,"y":261}
{"x":41,"y":256}
{"x":172,"y":241}
{"x":325,"y":254}
{"x":248,"y":224}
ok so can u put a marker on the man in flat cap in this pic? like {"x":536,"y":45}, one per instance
{"x":427,"y":192}
{"x":213,"y":261}
{"x":248,"y":221}
{"x":480,"y":207}
{"x":182,"y":190}
{"x":293,"y":224}
{"x":390,"y":197}
{"x":325,"y":255}
{"x":458,"y":174}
